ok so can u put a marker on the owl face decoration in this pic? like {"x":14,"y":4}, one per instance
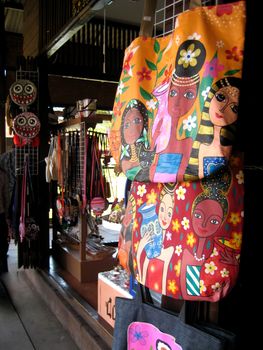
{"x":23,"y":92}
{"x":26,"y":125}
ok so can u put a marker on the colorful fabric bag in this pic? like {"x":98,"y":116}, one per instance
{"x":177,"y":99}
{"x":186,"y":237}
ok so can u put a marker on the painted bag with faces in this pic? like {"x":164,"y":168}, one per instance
{"x":186,"y":237}
{"x":176,"y":106}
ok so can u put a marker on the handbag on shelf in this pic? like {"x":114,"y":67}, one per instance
{"x":185,"y":238}
{"x":176,"y":106}
{"x":140,"y":324}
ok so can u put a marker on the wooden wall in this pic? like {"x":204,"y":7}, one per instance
{"x":31,"y":28}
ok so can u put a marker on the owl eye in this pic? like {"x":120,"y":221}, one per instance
{"x":21,"y":121}
{"x":18,"y":88}
{"x":29,"y":88}
{"x":32,"y":121}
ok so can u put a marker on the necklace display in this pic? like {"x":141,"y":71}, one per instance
{"x":199,"y":259}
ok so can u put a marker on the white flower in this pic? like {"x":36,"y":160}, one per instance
{"x":210,"y":268}
{"x":168,"y":236}
{"x":178,"y":250}
{"x":224,"y":272}
{"x":194,"y":36}
{"x":141,"y":190}
{"x":205,"y":92}
{"x":215,"y":252}
{"x":220,"y":44}
{"x":185,"y":223}
{"x":216,"y":287}
{"x":180,"y":193}
{"x":240,"y":177}
{"x":120,"y":87}
{"x":177,"y":40}
{"x":189,"y":123}
{"x":151,"y":104}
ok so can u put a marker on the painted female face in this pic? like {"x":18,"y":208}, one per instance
{"x":224,"y":106}
{"x":207,"y":217}
{"x":132,"y":126}
{"x":166,"y":211}
{"x":181,"y":99}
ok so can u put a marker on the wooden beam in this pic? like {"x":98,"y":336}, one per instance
{"x":147,"y":22}
{"x":75,"y":24}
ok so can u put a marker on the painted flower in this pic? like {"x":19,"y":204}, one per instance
{"x":137,"y":334}
{"x":136,"y":246}
{"x":212,"y":68}
{"x":151,"y":104}
{"x":144,"y":74}
{"x":168,"y":236}
{"x":234,"y":218}
{"x":117,"y":109}
{"x":178,"y":250}
{"x":210,"y":268}
{"x":189,"y":123}
{"x":139,"y":202}
{"x":185,"y":223}
{"x":236,"y":240}
{"x":215,"y":252}
{"x":127,"y":68}
{"x":186,"y":184}
{"x":202,"y":286}
{"x":120,"y":87}
{"x":224,"y":272}
{"x":141,"y":190}
{"x":135,"y":267}
{"x":151,"y":197}
{"x":240,"y":177}
{"x":167,"y":74}
{"x":188,"y":57}
{"x":216,"y":287}
{"x":224,"y":9}
{"x":234,"y":54}
{"x":220,"y":44}
{"x":205,"y":92}
{"x":135,"y":224}
{"x":180,"y":193}
{"x":177,"y":268}
{"x":172,"y":287}
{"x":191,"y":240}
{"x":176,"y":225}
{"x":194,"y":36}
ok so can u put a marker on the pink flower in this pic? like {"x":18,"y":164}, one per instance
{"x":212,"y":68}
{"x":126,"y":64}
{"x":144,"y":74}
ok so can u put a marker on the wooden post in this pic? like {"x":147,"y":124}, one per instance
{"x":147,"y":22}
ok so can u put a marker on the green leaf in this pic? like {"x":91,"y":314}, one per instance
{"x":125,"y":88}
{"x":156,"y":46}
{"x":145,"y":94}
{"x":162,"y":71}
{"x":232,"y":72}
{"x":187,"y":206}
{"x":181,"y":130}
{"x":126,"y":79}
{"x":150,"y":115}
{"x":160,"y":56}
{"x":151,"y":65}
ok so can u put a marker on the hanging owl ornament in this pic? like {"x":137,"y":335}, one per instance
{"x":26,"y":126}
{"x":23,"y":93}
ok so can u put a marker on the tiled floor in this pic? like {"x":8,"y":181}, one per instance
{"x":25,"y":320}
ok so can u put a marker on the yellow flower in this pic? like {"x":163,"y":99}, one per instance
{"x":135,"y":224}
{"x":151,"y":197}
{"x":177,"y":268}
{"x":185,"y":183}
{"x":236,"y":240}
{"x":172,"y":287}
{"x":188,"y":56}
{"x":176,"y":225}
{"x":234,"y":218}
{"x":190,"y":239}
{"x":139,"y":202}
{"x":134,"y":264}
{"x":202,"y":286}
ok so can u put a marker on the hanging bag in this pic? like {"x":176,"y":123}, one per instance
{"x":176,"y":106}
{"x":140,"y":324}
